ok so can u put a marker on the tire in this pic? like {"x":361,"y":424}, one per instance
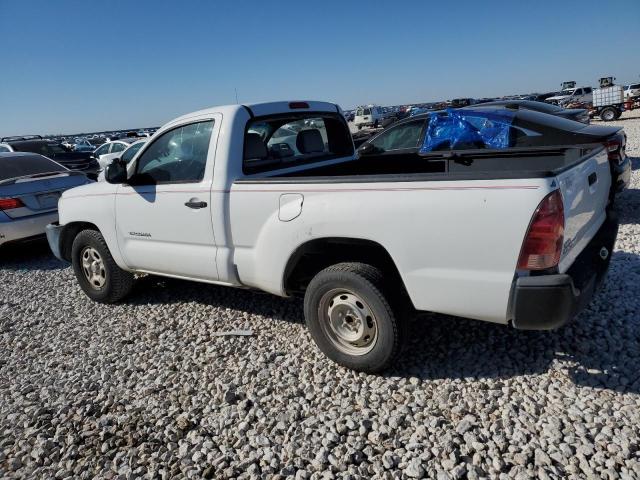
{"x":343,"y":305}
{"x":108,"y":282}
{"x":608,"y":114}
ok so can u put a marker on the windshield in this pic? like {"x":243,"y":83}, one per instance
{"x":541,"y":107}
{"x":55,"y":148}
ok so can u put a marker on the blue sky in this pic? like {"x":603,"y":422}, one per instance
{"x":72,"y":66}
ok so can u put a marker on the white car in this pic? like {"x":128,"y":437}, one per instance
{"x":572,"y":95}
{"x":631,"y":91}
{"x":521,"y":242}
{"x":368,"y":116}
{"x":106,"y":152}
{"x":125,"y":156}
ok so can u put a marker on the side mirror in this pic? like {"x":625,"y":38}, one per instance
{"x":367,"y":149}
{"x":116,"y":171}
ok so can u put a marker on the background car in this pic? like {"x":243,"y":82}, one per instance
{"x":126,"y":156}
{"x":576,"y":114}
{"x":78,"y":161}
{"x":106,"y":152}
{"x":461,"y":102}
{"x":81,"y":144}
{"x":528,"y":128}
{"x":579,"y":94}
{"x":368,"y":116}
{"x":631,"y":91}
{"x":30,"y":186}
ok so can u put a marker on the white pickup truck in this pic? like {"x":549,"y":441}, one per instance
{"x":273,"y":197}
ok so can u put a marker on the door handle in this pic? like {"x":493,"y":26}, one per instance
{"x":195,"y":204}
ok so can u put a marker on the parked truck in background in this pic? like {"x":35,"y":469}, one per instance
{"x":368,"y":116}
{"x":514,"y":235}
{"x":581,"y":95}
{"x":608,"y":100}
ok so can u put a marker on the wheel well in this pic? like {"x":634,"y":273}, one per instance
{"x":316,"y":255}
{"x":69,"y":232}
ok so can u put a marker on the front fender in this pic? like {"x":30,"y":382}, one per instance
{"x":93,"y":204}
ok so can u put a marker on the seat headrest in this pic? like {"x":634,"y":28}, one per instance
{"x":254,"y":147}
{"x":310,"y":141}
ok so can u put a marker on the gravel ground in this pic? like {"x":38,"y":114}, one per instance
{"x":144,"y":388}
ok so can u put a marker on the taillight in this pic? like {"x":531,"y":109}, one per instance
{"x":542,"y":245}
{"x":9,"y":203}
{"x":615,"y":150}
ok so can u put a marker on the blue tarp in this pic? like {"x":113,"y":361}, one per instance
{"x":467,"y":129}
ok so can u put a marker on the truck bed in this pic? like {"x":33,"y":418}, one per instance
{"x":477,"y":164}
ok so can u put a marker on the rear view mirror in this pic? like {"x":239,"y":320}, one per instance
{"x":116,"y":171}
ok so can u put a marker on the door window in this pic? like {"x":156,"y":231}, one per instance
{"x":117,"y":147}
{"x":402,"y":136}
{"x":103,"y":150}
{"x":176,"y":156}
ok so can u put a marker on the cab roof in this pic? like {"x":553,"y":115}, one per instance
{"x":268,"y":108}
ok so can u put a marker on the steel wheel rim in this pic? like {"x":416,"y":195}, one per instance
{"x":348,"y":322}
{"x":93,"y":267}
{"x":608,"y":115}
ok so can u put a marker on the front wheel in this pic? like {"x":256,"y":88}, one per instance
{"x":350,"y":319}
{"x":96,"y":271}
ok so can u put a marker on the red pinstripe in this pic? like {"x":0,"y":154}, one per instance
{"x":333,"y":190}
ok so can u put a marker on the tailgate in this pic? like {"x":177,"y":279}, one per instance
{"x":585,"y":193}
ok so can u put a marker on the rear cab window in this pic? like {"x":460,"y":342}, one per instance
{"x":288,"y":140}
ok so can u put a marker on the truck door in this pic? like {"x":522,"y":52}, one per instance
{"x":163,"y":214}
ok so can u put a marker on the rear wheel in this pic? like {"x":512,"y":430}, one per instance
{"x":608,"y":114}
{"x":97,"y":273}
{"x":349,"y":317}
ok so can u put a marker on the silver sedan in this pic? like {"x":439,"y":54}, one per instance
{"x":30,"y":186}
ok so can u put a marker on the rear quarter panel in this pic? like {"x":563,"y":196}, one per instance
{"x":455,"y":244}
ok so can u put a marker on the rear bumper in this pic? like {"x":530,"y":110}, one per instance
{"x":19,"y":229}
{"x":53,"y":231}
{"x":546,"y":302}
{"x":621,"y":175}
